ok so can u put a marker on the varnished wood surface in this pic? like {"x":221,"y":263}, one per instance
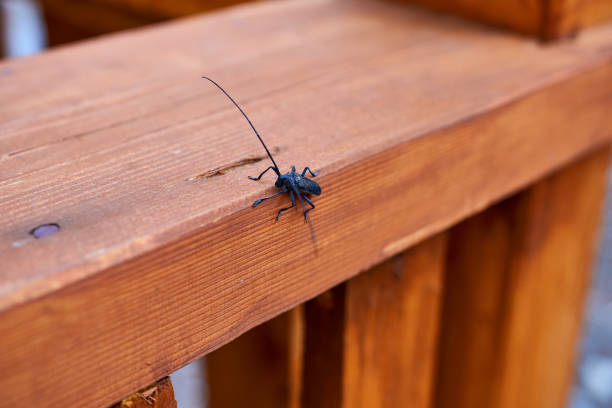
{"x":562,"y":18}
{"x":372,"y":341}
{"x":72,"y":20}
{"x":415,"y":123}
{"x":261,"y":368}
{"x":516,"y":282}
{"x":391,"y":329}
{"x":544,"y":19}
{"x":168,"y":8}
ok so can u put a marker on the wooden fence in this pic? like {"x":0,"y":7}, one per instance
{"x":463,"y":169}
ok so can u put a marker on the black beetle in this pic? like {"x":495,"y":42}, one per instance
{"x":292,"y":182}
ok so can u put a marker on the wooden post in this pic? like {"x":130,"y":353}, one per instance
{"x":516,"y":281}
{"x":261,"y":368}
{"x":371,"y":342}
{"x":546,"y":19}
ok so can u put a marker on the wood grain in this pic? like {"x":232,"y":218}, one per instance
{"x":545,"y":19}
{"x":513,"y":309}
{"x":324,"y":323}
{"x":414,"y":122}
{"x":72,"y":20}
{"x":371,"y":342}
{"x":157,"y":395}
{"x":523,"y":16}
{"x":169,"y":8}
{"x":261,"y":368}
{"x":391,"y":329}
{"x":562,"y":18}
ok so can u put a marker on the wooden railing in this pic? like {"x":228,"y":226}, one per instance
{"x":462,"y":169}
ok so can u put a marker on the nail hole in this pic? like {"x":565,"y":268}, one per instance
{"x":45,"y":230}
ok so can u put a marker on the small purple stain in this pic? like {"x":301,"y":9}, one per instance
{"x":45,"y":230}
{"x":6,"y":71}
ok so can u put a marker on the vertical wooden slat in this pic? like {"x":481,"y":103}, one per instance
{"x":371,"y":342}
{"x":295,"y":355}
{"x":261,"y":368}
{"x":516,"y":281}
{"x":478,"y":252}
{"x":157,"y":395}
{"x":391,"y":329}
{"x":323,"y":349}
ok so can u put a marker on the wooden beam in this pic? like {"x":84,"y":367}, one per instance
{"x":72,"y":20}
{"x":545,"y":19}
{"x":513,"y":308}
{"x":371,"y":342}
{"x":109,"y":142}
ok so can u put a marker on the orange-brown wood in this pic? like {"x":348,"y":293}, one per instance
{"x":566,"y":17}
{"x":371,"y":342}
{"x":261,"y":368}
{"x":168,"y":8}
{"x":324,"y":324}
{"x":415,"y":124}
{"x":157,"y":395}
{"x":479,"y":250}
{"x":524,"y":16}
{"x":391,"y":329}
{"x":71,"y":20}
{"x":546,"y":19}
{"x":515,"y":284}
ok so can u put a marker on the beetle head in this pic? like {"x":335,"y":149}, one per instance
{"x":280,"y":182}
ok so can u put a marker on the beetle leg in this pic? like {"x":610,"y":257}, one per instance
{"x":286,"y":208}
{"x":307,"y":169}
{"x":262,"y":173}
{"x":256,"y":203}
{"x":299,"y":196}
{"x":306,"y":212}
{"x":312,"y":233}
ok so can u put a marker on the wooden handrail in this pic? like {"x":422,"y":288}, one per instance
{"x":545,"y":19}
{"x":414,"y":122}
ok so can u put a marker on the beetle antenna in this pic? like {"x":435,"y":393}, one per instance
{"x":276,"y":170}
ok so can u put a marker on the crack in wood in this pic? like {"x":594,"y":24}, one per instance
{"x":219,"y":171}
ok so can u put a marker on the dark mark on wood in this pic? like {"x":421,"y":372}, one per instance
{"x":219,"y":171}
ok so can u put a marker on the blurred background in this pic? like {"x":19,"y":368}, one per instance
{"x":29,"y":26}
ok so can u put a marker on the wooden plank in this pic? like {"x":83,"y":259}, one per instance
{"x":157,"y":395}
{"x":518,"y":15}
{"x":71,"y":20}
{"x":184,"y":261}
{"x":513,"y":308}
{"x":473,"y":304}
{"x":371,"y":342}
{"x":546,"y":19}
{"x":324,"y":321}
{"x":564,"y":18}
{"x":261,"y":368}
{"x":169,"y":8}
{"x":391,"y":329}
